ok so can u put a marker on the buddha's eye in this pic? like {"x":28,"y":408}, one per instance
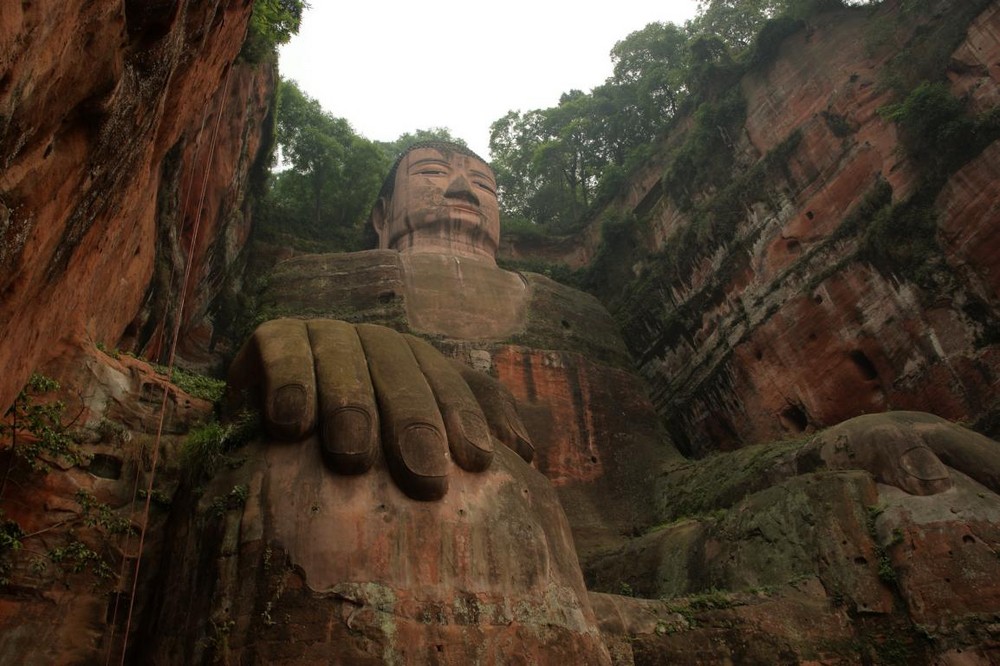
{"x":431,"y":172}
{"x":486,"y":187}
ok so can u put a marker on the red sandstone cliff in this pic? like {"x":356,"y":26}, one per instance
{"x":111,"y":148}
{"x":105,"y":141}
{"x":122,"y":125}
{"x":775,"y":317}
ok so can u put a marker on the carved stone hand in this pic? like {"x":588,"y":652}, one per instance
{"x":367,"y":388}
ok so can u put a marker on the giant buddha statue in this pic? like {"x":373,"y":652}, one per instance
{"x":435,"y":276}
{"x":448,"y":442}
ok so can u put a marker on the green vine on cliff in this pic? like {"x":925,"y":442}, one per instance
{"x":36,"y":439}
{"x":716,"y":221}
{"x":936,"y":131}
{"x":33,"y":431}
{"x":273,"y":22}
{"x":706,"y":157}
{"x":886,"y":572}
{"x":931,"y":39}
{"x":940,"y":137}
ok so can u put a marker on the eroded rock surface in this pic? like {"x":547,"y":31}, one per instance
{"x":110,"y":112}
{"x":319,"y":567}
{"x":782,"y":319}
{"x":793,"y":552}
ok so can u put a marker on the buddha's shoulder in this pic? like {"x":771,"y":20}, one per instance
{"x":563,"y":317}
{"x":355,"y":286}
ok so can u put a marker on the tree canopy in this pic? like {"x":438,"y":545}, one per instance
{"x":272,"y":23}
{"x":330,"y":179}
{"x":555,"y":165}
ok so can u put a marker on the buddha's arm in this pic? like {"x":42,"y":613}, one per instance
{"x":909,"y":450}
{"x":967,"y":451}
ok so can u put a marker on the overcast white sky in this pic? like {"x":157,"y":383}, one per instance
{"x":395,"y":66}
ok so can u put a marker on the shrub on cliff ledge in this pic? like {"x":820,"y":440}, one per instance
{"x":207,"y":447}
{"x":273,"y":22}
{"x":36,"y":442}
{"x":32,"y":429}
{"x":194,"y":384}
{"x":932,"y":124}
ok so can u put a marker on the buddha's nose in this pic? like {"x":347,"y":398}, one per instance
{"x":460,"y":188}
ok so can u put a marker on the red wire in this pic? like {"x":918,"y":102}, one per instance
{"x":170,"y":362}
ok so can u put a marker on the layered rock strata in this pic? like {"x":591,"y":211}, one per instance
{"x":111,"y":147}
{"x":791,"y":304}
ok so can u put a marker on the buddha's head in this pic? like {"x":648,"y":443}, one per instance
{"x":439,"y":197}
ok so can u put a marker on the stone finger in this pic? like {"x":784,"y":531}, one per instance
{"x":286,"y":366}
{"x":348,"y":417}
{"x":500,"y":411}
{"x":468,"y":433}
{"x":413,"y":433}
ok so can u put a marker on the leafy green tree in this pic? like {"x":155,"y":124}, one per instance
{"x":32,"y":429}
{"x":547,"y":161}
{"x":736,"y":22}
{"x":332,"y":176}
{"x":277,"y":20}
{"x":552,"y":164}
{"x":571,"y":156}
{"x":34,"y":434}
{"x":739,"y":22}
{"x":512,"y":139}
{"x":394,"y":149}
{"x":272,"y":23}
{"x":649,"y":70}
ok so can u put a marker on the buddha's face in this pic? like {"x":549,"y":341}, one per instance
{"x":443,"y":202}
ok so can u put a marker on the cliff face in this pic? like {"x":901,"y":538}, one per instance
{"x":778,"y":317}
{"x":111,"y":149}
{"x":123,"y":127}
{"x":803,"y":285}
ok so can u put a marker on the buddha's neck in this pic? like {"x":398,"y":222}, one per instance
{"x":460,"y":247}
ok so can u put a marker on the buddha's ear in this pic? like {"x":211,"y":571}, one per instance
{"x":380,"y":220}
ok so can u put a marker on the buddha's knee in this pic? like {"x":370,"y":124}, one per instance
{"x":892,"y":453}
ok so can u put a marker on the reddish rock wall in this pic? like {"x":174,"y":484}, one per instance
{"x":74,"y":609}
{"x":597,"y":440}
{"x":110,"y":149}
{"x":785,"y":324}
{"x":105,"y":108}
{"x":197,"y":181}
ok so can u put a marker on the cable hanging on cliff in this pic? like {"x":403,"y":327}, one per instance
{"x":175,"y":335}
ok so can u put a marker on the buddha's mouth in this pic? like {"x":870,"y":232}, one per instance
{"x":465,"y":207}
{"x":463,"y":214}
